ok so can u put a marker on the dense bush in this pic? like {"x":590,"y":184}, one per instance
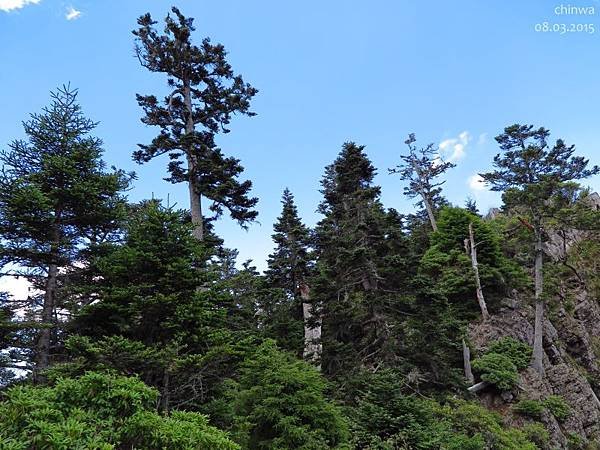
{"x":529,"y":408}
{"x":518,"y":352}
{"x":279,"y":402}
{"x":537,"y":433}
{"x":558,"y":407}
{"x":498,"y":370}
{"x":99,"y":411}
{"x":387,"y":418}
{"x":555,"y":404}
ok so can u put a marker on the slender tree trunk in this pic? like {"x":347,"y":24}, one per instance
{"x":467,"y":363}
{"x":312,"y":331}
{"x":165,"y":397}
{"x":48,"y":310}
{"x":537,"y":360}
{"x":478,"y":387}
{"x":429,"y":209}
{"x":480,"y":298}
{"x":426,"y":199}
{"x":193,"y":179}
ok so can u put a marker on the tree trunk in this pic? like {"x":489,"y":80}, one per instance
{"x":429,"y":209}
{"x":537,"y":360}
{"x":165,"y":396}
{"x":193,"y":179}
{"x":478,"y":387}
{"x":48,"y":310}
{"x":312,"y":332}
{"x":467,"y":363}
{"x":480,"y":298}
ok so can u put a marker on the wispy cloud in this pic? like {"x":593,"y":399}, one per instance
{"x":476,"y":183}
{"x":483,"y":137}
{"x":72,"y":13}
{"x":454,"y":149}
{"x":10,"y":5}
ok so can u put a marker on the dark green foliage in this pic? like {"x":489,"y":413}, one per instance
{"x":289,"y":266}
{"x":147,"y":286}
{"x":99,"y":411}
{"x":498,"y":370}
{"x":278,"y":402}
{"x":518,"y":352}
{"x":290,"y":262}
{"x":387,"y":417}
{"x":537,"y":433}
{"x":558,"y":407}
{"x":446,"y":300}
{"x":362,"y":269}
{"x":163,"y":311}
{"x":530,"y":173}
{"x":205,"y":94}
{"x":503,"y":360}
{"x":56,"y":200}
{"x":433,"y":340}
{"x":529,"y":408}
{"x":575,"y":442}
{"x":448,"y":264}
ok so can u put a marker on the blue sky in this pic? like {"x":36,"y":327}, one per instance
{"x":455,"y":73}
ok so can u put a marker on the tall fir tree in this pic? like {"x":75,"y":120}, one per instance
{"x":205,"y":93}
{"x":356,"y":241}
{"x":535,"y":178}
{"x":55,"y":200}
{"x":289,"y":267}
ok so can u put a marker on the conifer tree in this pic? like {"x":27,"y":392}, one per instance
{"x":356,"y":241}
{"x":420,"y":168}
{"x":290,"y":263}
{"x":534,"y":178}
{"x":146,"y":286}
{"x":289,"y":267}
{"x":205,"y":93}
{"x":55,"y":200}
{"x":149,"y":317}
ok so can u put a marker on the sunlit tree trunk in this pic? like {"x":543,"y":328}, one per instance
{"x":467,"y":363}
{"x":194,"y":190}
{"x":312,"y":329}
{"x":480,"y":299}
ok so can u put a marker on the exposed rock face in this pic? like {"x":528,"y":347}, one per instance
{"x":569,"y":343}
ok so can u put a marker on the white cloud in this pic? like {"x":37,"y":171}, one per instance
{"x":9,"y":5}
{"x":482,"y":139}
{"x":72,"y":13}
{"x":454,"y":149}
{"x":19,"y":287}
{"x":476,"y":183}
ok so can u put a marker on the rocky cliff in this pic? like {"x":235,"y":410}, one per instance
{"x":572,"y":353}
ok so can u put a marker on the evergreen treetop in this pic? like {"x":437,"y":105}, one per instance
{"x":205,"y":94}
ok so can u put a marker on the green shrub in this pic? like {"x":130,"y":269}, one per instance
{"x":575,"y":442}
{"x":386,"y":418}
{"x":279,"y":403}
{"x":99,"y":411}
{"x":529,"y":408}
{"x":498,"y":370}
{"x":518,"y":352}
{"x":558,"y":407}
{"x":537,"y":433}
